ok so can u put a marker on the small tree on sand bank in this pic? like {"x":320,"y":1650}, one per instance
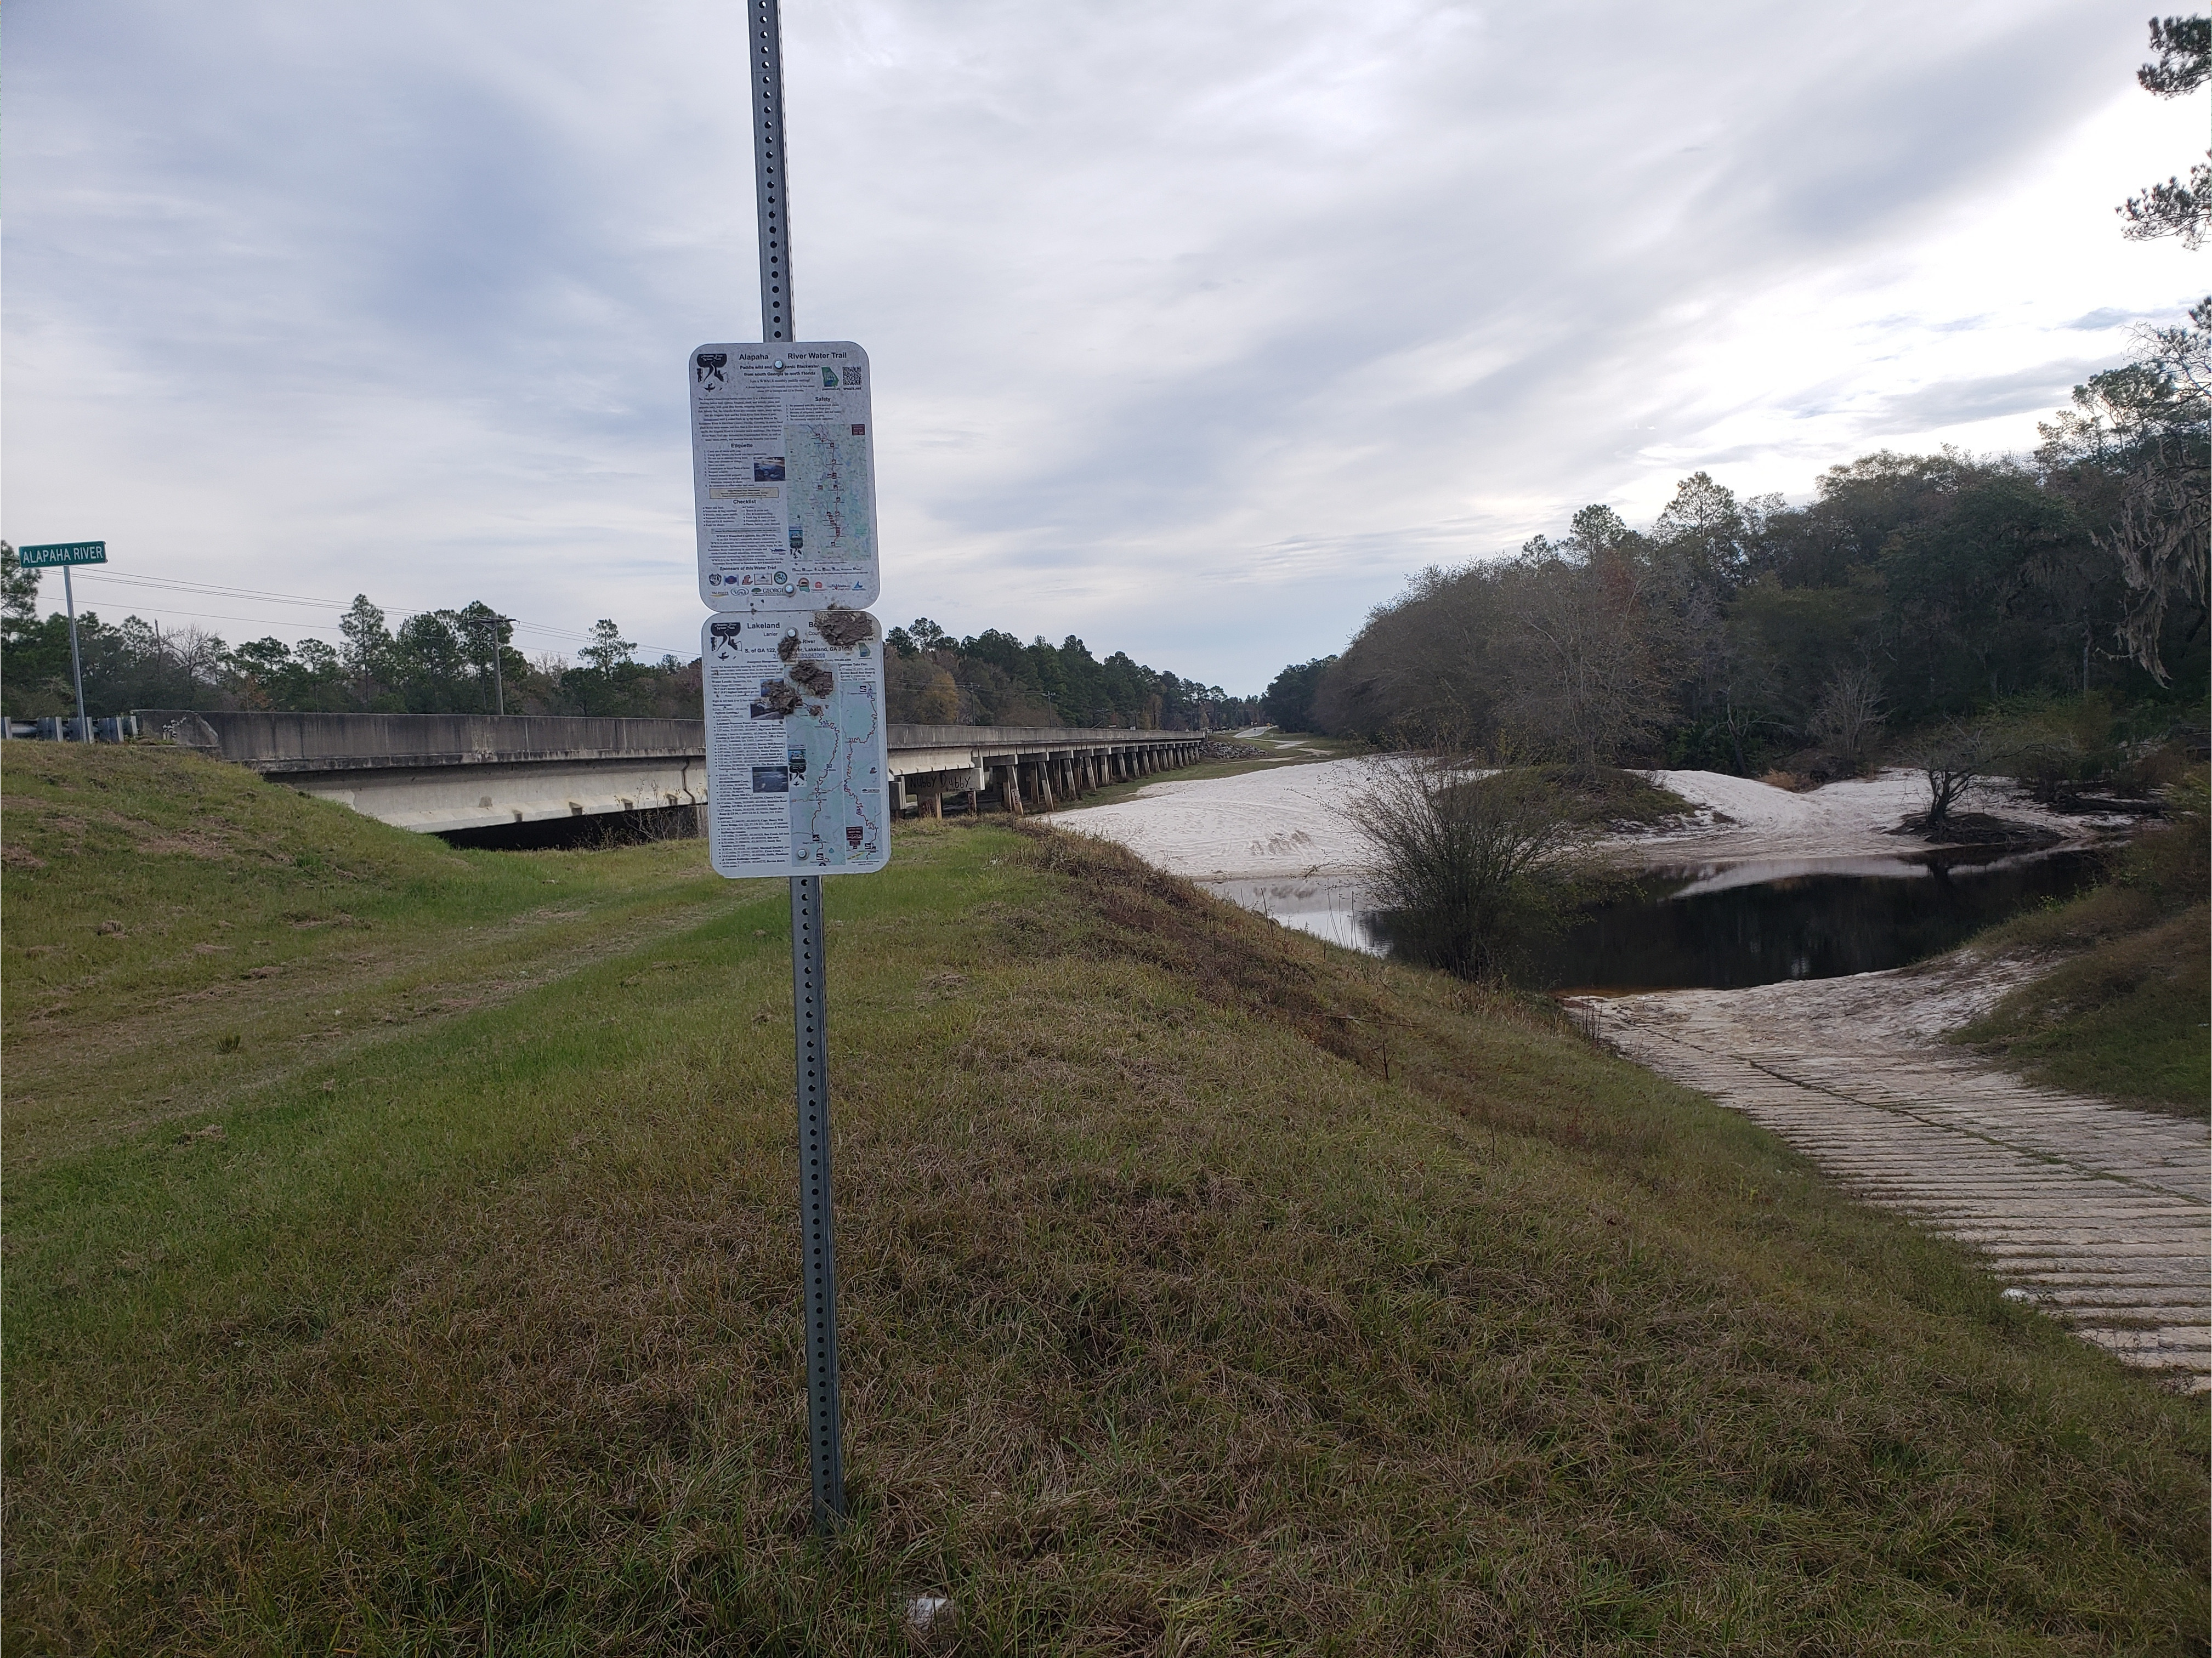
{"x":1953,"y":757}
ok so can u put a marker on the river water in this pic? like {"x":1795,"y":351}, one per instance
{"x":1724,"y":925}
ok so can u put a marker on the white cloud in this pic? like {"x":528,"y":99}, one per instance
{"x":1195,"y":328}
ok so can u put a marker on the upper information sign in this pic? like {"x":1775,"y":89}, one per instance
{"x":783,"y":476}
{"x":797,"y":778}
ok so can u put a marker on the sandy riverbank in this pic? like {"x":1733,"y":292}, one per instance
{"x":1292,"y":822}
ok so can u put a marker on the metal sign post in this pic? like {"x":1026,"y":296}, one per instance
{"x":76,"y":657}
{"x":65,"y":554}
{"x":808,"y":980}
{"x":792,"y":671}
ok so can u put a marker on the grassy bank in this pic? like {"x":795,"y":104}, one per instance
{"x":1205,"y":1290}
{"x":2120,"y":1010}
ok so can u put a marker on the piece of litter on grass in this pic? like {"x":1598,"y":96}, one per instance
{"x":2014,"y":1294}
{"x":925,"y":1611}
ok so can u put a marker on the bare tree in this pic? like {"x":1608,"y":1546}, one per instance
{"x":1953,"y":757}
{"x":1588,"y":679}
{"x":1849,"y":713}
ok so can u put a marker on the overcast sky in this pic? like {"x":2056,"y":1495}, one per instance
{"x":1196,"y":327}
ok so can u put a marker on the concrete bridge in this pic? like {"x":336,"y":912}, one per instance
{"x":439,"y":773}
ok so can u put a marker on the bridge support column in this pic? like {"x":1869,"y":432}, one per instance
{"x":1044,"y":784}
{"x":1010,"y":789}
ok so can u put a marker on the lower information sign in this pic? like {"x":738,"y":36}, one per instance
{"x":798,"y":782}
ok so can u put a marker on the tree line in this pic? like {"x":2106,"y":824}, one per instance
{"x":465,"y":661}
{"x":1748,"y":634}
{"x":992,"y":678}
{"x":453,"y":661}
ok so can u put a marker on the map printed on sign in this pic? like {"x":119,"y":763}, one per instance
{"x":783,"y":476}
{"x":797,"y":778}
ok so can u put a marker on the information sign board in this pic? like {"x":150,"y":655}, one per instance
{"x":798,"y":782}
{"x":49,"y":553}
{"x":783,"y":476}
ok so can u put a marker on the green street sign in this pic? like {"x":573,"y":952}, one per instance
{"x":61,"y":552}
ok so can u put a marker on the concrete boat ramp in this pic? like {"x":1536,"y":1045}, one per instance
{"x":2100,"y":1213}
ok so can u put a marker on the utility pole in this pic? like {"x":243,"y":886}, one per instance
{"x":808,"y":985}
{"x":496,"y":622}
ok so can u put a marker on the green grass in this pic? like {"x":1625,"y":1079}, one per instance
{"x":2122,"y":1013}
{"x":2121,"y":1009}
{"x":1611,"y":796}
{"x":1171,"y":1324}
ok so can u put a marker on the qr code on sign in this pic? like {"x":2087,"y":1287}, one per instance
{"x":851,"y":377}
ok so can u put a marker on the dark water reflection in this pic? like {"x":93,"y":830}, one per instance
{"x":1723,"y":926}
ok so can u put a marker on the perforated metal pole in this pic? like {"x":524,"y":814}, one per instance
{"x":765,"y":40}
{"x":77,"y":662}
{"x":817,"y":1219}
{"x":809,"y":975}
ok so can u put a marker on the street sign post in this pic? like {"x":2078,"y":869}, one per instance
{"x":798,"y":779}
{"x":45,"y":555}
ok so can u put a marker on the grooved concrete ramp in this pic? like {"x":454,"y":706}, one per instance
{"x":2100,"y":1213}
